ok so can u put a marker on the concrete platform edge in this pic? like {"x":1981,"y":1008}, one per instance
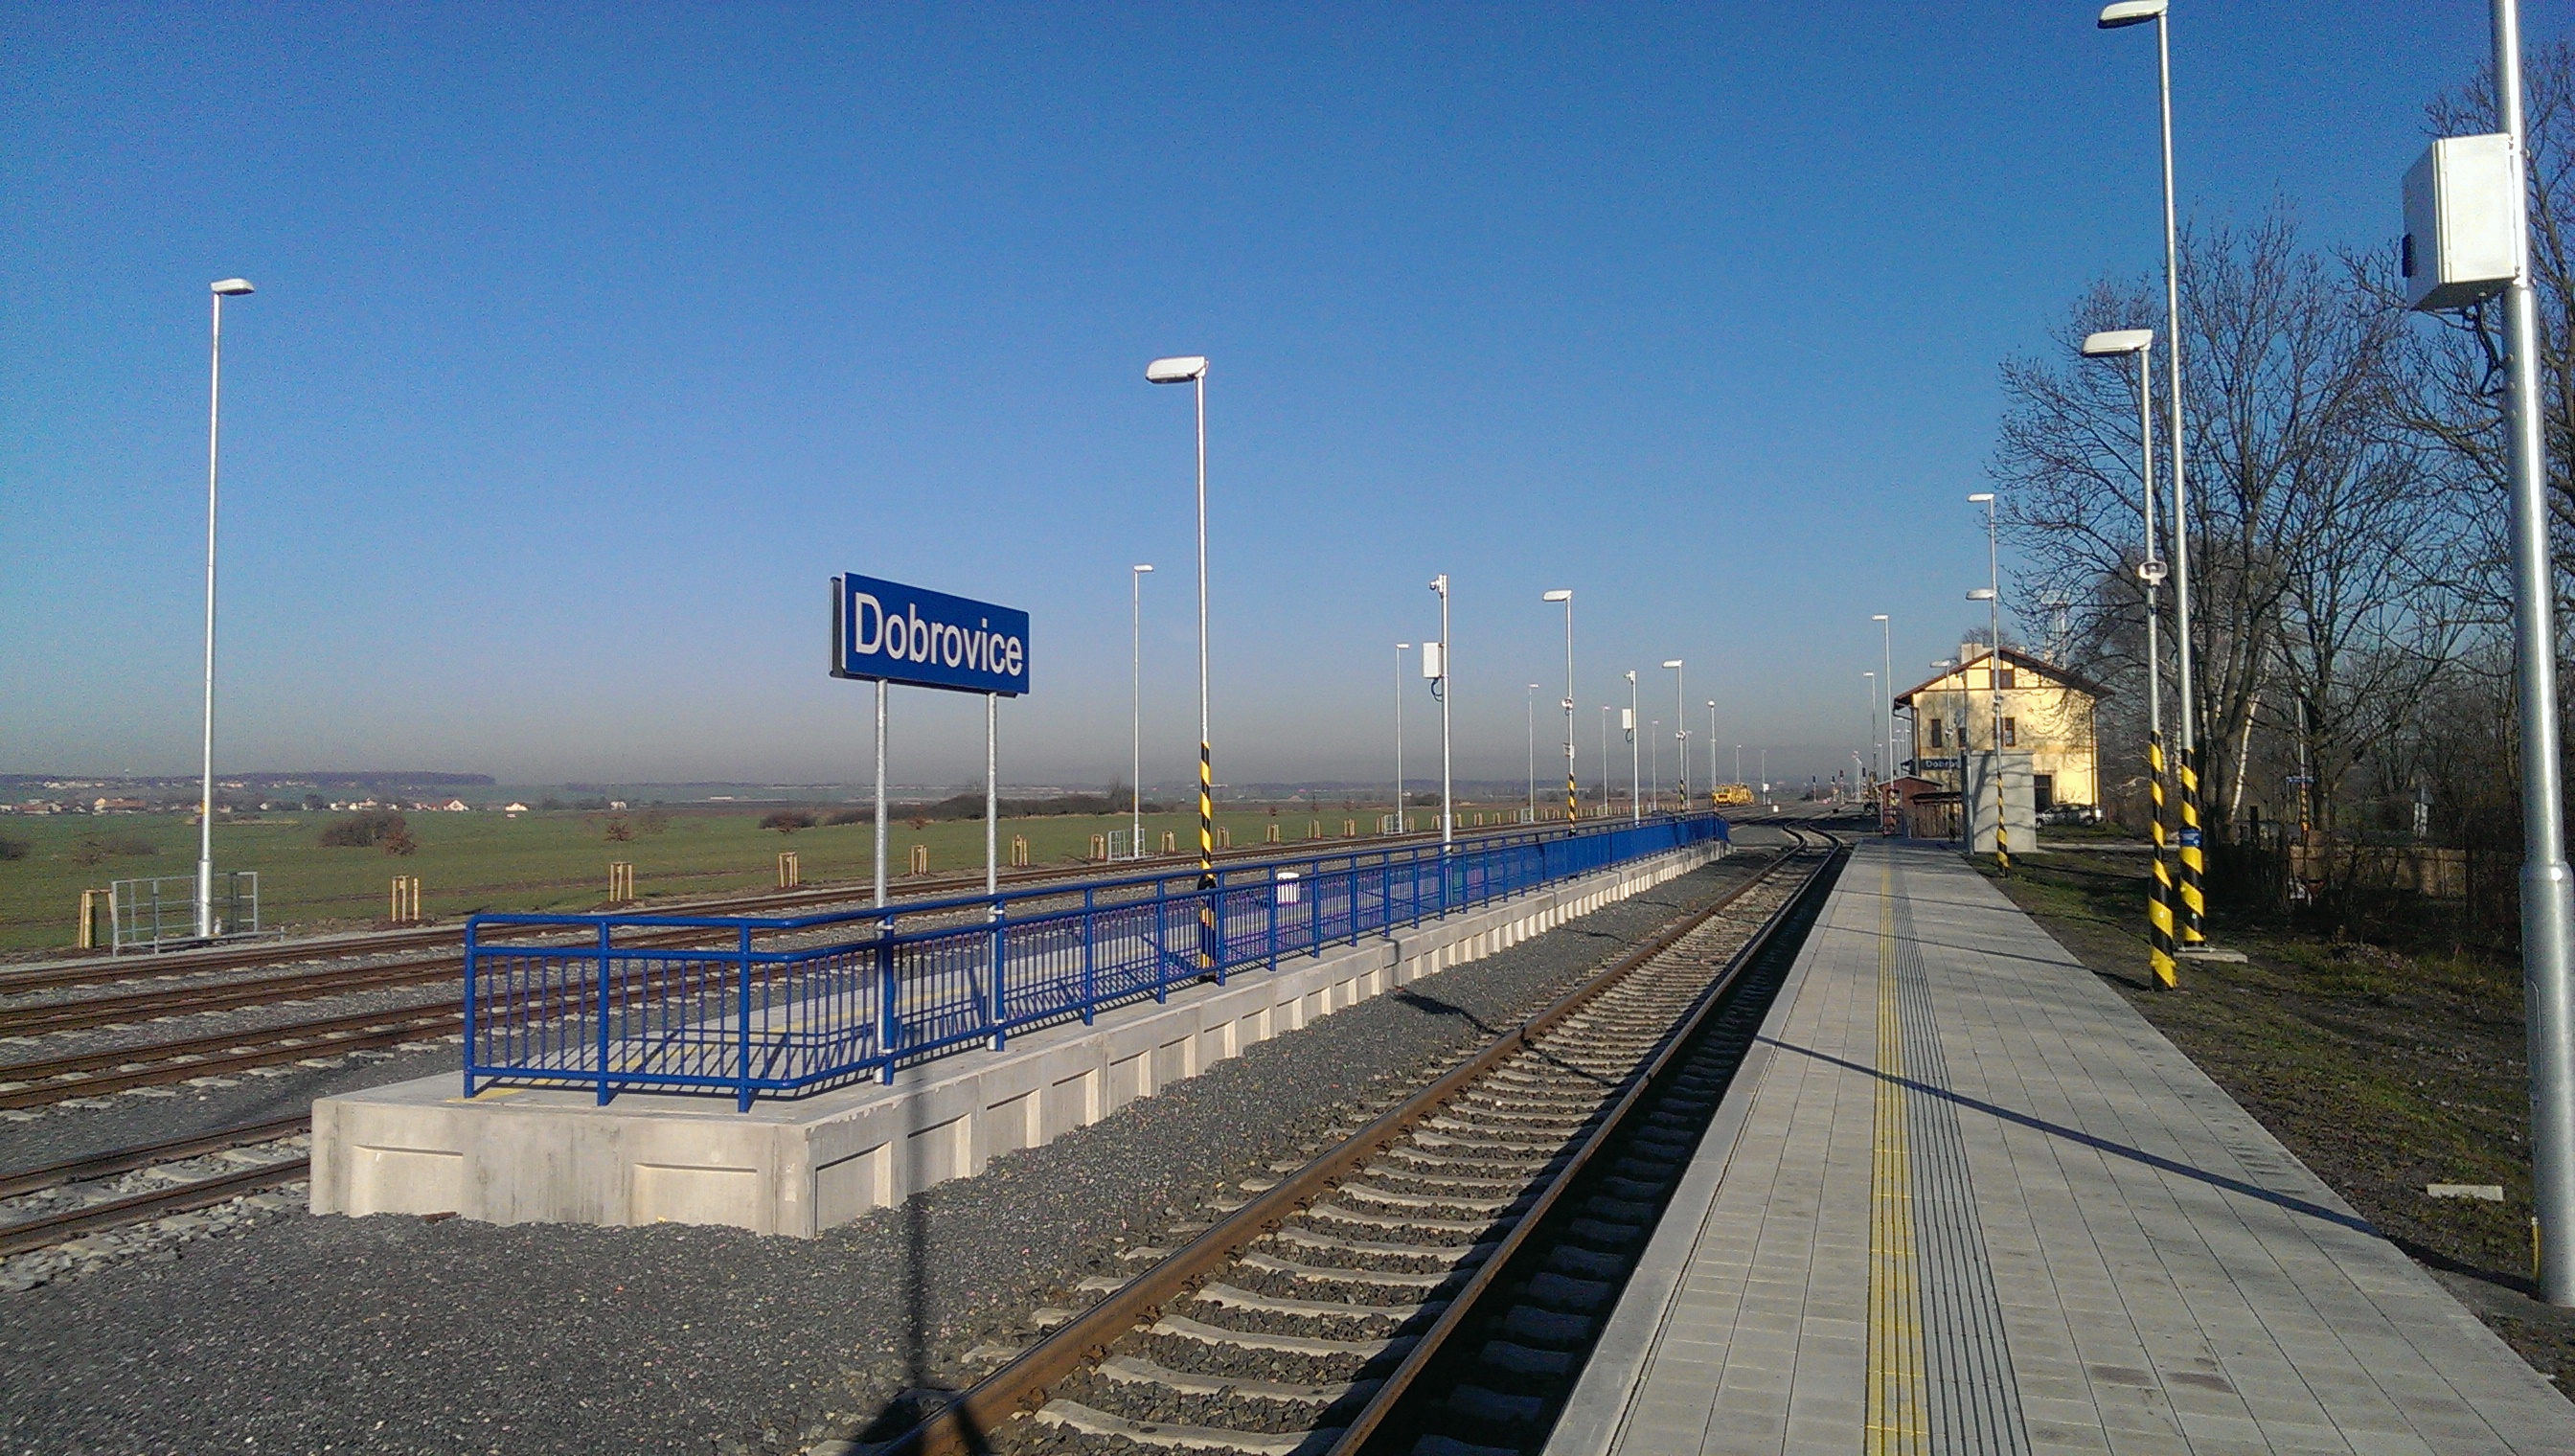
{"x":517,"y":1156}
{"x":1597,"y":1412}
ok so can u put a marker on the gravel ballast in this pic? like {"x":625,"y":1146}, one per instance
{"x":398,"y":1334}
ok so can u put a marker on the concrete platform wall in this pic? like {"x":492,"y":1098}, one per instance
{"x":519,"y":1155}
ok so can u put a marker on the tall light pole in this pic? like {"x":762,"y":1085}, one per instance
{"x":1656,"y":726}
{"x":1434,"y":665}
{"x":1192,"y":369}
{"x":222,"y":289}
{"x":1887,"y":691}
{"x":1711,"y":753}
{"x":2114,"y":344}
{"x":2548,"y":916}
{"x":1533,"y":753}
{"x":1636,"y":781}
{"x":1566,"y":596}
{"x":2117,"y":17}
{"x":2548,"y":907}
{"x":1738,"y":762}
{"x":1877,"y":760}
{"x":1606,"y":710}
{"x":1681,"y":731}
{"x":1135,"y":710}
{"x":1401,"y":825}
{"x":1992,"y":593}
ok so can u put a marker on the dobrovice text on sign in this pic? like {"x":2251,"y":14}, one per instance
{"x":884,"y":631}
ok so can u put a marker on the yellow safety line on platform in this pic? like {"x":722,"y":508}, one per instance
{"x":1897,"y":1401}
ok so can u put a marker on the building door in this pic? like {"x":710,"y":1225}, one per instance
{"x":2042,"y":791}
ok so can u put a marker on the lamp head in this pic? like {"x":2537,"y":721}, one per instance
{"x":1140,"y":570}
{"x":1440,"y":584}
{"x":1178,"y":368}
{"x":1981,"y":593}
{"x":232,"y":287}
{"x":1558,"y":596}
{"x":1674,"y":663}
{"x":2111,"y":343}
{"x":1631,"y":675}
{"x":2130,"y":12}
{"x":1404,"y":646}
{"x":1981,"y":498}
{"x":1877,"y":616}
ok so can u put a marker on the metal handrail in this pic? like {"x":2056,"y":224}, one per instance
{"x":749,"y":1019}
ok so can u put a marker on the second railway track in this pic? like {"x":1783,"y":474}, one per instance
{"x":1431,"y":1283}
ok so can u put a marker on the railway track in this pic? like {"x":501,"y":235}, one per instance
{"x":1432,"y":1282}
{"x":97,"y":1073}
{"x":444,"y":945}
{"x":203,"y":1169}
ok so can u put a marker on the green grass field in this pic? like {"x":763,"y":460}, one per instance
{"x":543,"y":861}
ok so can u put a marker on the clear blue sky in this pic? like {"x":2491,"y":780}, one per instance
{"x":589,"y":342}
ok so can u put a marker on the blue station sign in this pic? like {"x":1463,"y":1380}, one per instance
{"x":886,"y":631}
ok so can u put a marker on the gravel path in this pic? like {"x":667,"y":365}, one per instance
{"x":398,"y":1334}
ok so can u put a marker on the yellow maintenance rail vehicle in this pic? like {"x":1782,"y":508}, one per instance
{"x":1729,"y":794}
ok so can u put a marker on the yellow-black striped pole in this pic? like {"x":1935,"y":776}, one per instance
{"x":2160,"y":888}
{"x":1572,"y":814}
{"x":1207,"y":857}
{"x":2194,"y":907}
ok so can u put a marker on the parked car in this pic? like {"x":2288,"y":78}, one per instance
{"x":2070,"y":814}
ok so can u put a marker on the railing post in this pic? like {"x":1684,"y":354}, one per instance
{"x":1274,"y":921}
{"x":471,"y":1015}
{"x":1162,"y":937}
{"x":1215,"y":918}
{"x":1089,"y":956}
{"x":1001,"y":959}
{"x":889,"y":1029}
{"x":743,"y":1100}
{"x":600,"y":1009}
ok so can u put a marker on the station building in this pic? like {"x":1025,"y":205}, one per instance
{"x":2048,"y":714}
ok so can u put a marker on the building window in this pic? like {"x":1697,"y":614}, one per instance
{"x":2042,"y":791}
{"x":1935,"y":735}
{"x":2011,"y":732}
{"x":2010,"y":678}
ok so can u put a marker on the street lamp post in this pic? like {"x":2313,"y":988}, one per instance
{"x":1566,"y":596}
{"x":1993,"y":595}
{"x":2117,"y":17}
{"x":2114,"y":344}
{"x":1605,"y":759}
{"x":1532,"y":705}
{"x":1681,"y":732}
{"x":1434,"y":665}
{"x":1887,"y":691}
{"x":1400,"y":824}
{"x":1877,"y":758}
{"x":1135,"y":710}
{"x":1635,"y":779}
{"x":1192,"y":369}
{"x":1711,"y":753}
{"x":1656,"y":728}
{"x":222,"y":289}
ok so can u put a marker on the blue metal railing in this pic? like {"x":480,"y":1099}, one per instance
{"x":752,"y":1004}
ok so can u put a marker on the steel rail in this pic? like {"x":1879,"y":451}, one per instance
{"x":37,"y":1233}
{"x":127,"y":1160}
{"x":151,"y":1066}
{"x":1024,"y":1384}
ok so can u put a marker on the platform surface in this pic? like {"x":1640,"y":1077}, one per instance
{"x":1964,"y":1199}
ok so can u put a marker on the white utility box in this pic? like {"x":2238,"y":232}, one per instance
{"x":2462,"y":223}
